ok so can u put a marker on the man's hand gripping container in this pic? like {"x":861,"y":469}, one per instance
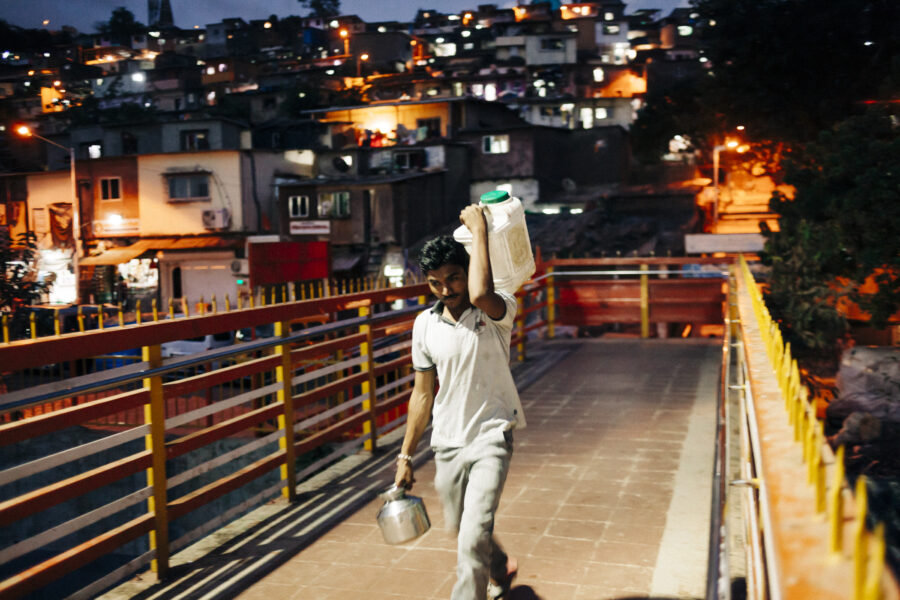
{"x":512,"y":261}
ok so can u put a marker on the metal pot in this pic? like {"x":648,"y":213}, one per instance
{"x":402,"y":518}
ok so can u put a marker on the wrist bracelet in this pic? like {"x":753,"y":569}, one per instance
{"x":405,"y":457}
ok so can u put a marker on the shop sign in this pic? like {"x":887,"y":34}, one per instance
{"x":310,"y":227}
{"x":118,"y":226}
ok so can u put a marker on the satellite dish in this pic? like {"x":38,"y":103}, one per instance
{"x":568,"y":185}
{"x":340,"y":164}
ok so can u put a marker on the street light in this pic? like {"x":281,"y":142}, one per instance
{"x":730,"y":144}
{"x":25,"y":131}
{"x":362,"y":57}
{"x":345,"y":35}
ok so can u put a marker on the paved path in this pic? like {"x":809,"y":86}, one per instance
{"x":608,"y":496}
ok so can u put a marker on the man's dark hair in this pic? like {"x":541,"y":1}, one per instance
{"x":440,"y":251}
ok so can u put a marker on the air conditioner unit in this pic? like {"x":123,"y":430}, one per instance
{"x":219,"y":218}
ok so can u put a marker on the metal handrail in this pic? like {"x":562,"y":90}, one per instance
{"x":204,"y":358}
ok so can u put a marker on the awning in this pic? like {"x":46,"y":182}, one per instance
{"x":117,"y":256}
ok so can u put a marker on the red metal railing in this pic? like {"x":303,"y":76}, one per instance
{"x":177,"y":435}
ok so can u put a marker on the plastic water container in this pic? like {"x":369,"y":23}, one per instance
{"x":512,"y":262}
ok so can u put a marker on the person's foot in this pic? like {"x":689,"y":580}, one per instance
{"x":499,"y":590}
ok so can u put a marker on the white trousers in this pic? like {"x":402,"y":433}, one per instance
{"x":469,"y":481}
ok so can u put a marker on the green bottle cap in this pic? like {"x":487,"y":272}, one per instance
{"x":495,"y":197}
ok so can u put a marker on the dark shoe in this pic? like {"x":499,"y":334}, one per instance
{"x":499,"y":590}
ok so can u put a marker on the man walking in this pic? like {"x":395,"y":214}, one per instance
{"x":462,"y":342}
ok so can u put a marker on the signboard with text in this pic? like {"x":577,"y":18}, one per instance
{"x":282,"y":262}
{"x":310,"y":227}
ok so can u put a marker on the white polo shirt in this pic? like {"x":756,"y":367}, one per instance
{"x":477,"y":392}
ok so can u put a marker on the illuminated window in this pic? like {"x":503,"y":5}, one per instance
{"x":599,"y":75}
{"x":609,"y":16}
{"x":685,"y":30}
{"x":611,"y":29}
{"x":195,"y":139}
{"x":188,"y":187}
{"x":600,"y":113}
{"x":432,"y":126}
{"x":95,"y":150}
{"x":110,"y":188}
{"x":334,"y":204}
{"x":298,"y":206}
{"x":495,"y":144}
{"x":587,"y":118}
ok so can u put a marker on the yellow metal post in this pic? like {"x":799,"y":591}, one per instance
{"x":370,"y":427}
{"x":860,"y":539}
{"x":551,"y":304}
{"x":137,"y":311}
{"x":80,"y":319}
{"x":873,"y":589}
{"x":5,"y":328}
{"x":56,"y":324}
{"x":155,"y":416}
{"x":645,"y":303}
{"x":284,"y":375}
{"x":32,"y":323}
{"x":836,"y":514}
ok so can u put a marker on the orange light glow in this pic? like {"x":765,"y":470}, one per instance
{"x":23,"y":130}
{"x":731,"y":144}
{"x":344,"y":33}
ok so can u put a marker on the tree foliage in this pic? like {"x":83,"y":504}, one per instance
{"x":322,"y":8}
{"x":121,"y":26}
{"x":19,"y":286}
{"x":784,"y":69}
{"x":841,"y":228}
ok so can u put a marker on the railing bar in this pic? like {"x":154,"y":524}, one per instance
{"x":65,"y":386}
{"x":229,"y":514}
{"x":394,"y":348}
{"x":119,"y":574}
{"x":54,"y":460}
{"x":209,"y":356}
{"x":222,"y":405}
{"x":395,"y":384}
{"x":73,"y":525}
{"x":331,"y":411}
{"x":223,"y":458}
{"x":684,"y":274}
{"x":343,"y":365}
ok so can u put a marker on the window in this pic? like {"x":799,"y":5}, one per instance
{"x":609,"y":16}
{"x":188,"y":187}
{"x":600,"y":113}
{"x":129,"y":143}
{"x":298,"y":206}
{"x":587,"y":118}
{"x":611,"y":29}
{"x":195,"y":139}
{"x":432,"y":126}
{"x":552,"y":44}
{"x":334,"y":204}
{"x":110,"y":188}
{"x":94,"y":150}
{"x":495,"y":144}
{"x":599,"y":74}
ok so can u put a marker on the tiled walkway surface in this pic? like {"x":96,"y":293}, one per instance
{"x":607,"y":497}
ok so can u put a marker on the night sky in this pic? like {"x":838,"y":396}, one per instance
{"x":84,"y":14}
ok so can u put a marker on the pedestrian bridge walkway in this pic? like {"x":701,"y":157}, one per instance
{"x":673,"y":466}
{"x":608,"y":496}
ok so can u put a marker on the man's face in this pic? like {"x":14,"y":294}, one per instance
{"x":450,"y":284}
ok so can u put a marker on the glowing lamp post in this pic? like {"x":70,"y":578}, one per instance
{"x":345,"y":35}
{"x":361,"y":57}
{"x":25,"y":131}
{"x":729,"y":145}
